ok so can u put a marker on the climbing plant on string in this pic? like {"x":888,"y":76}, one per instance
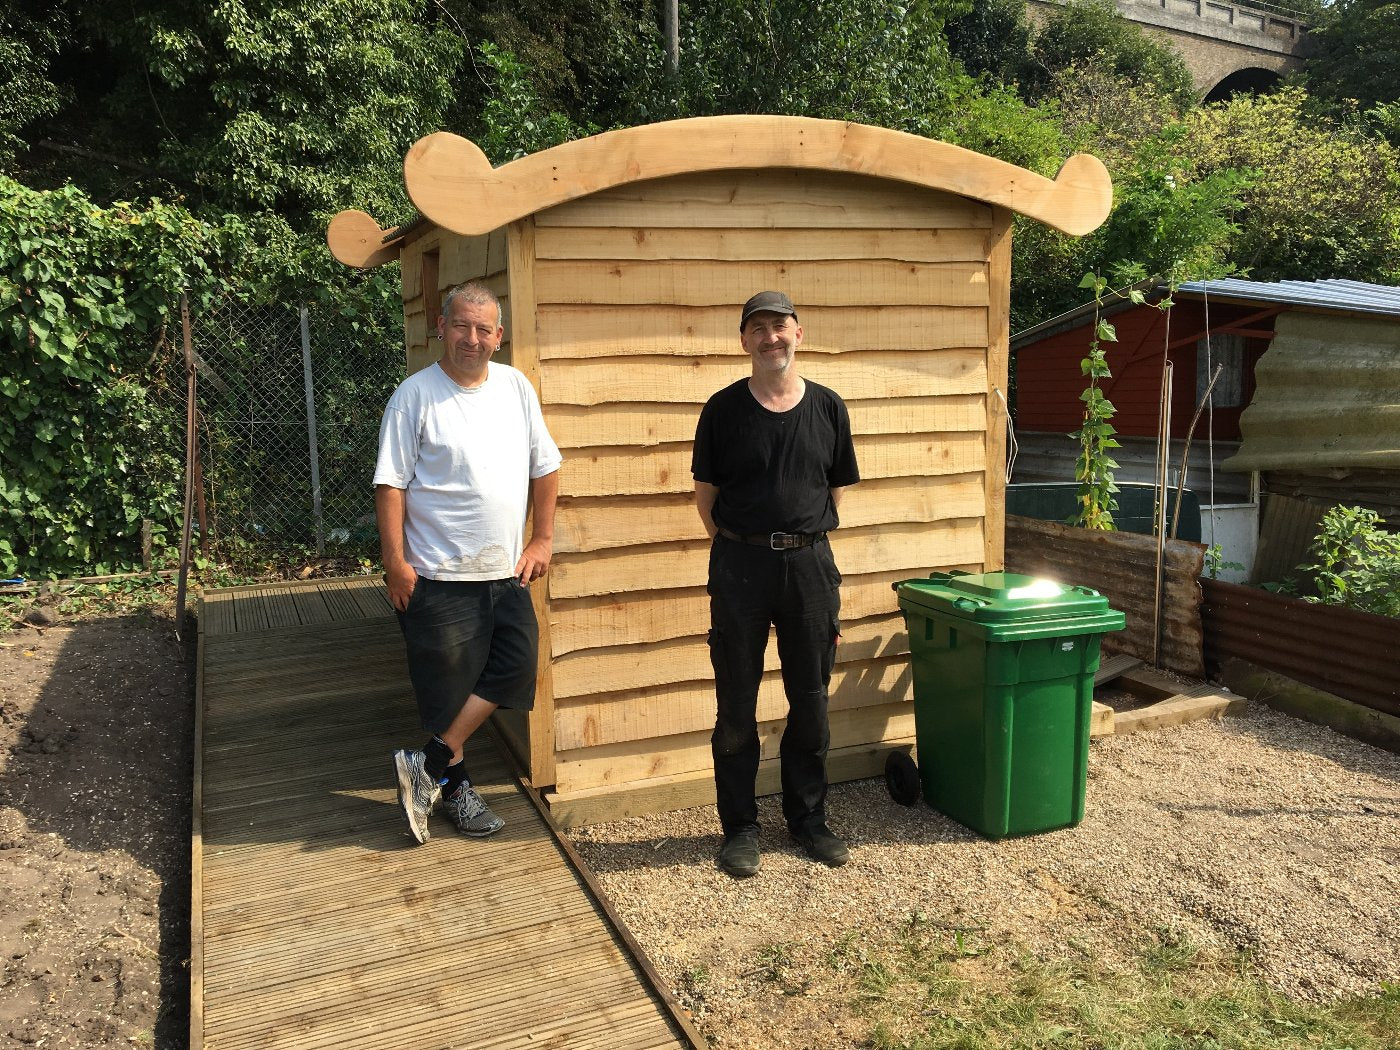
{"x":1094,"y":467}
{"x":1178,"y":229}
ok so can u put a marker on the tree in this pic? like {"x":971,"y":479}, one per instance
{"x":1091,"y":34}
{"x":993,"y":40}
{"x":296,"y":107}
{"x":26,"y":93}
{"x":1324,"y":199}
{"x":1356,"y":58}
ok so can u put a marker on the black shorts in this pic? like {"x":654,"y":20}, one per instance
{"x":465,"y":637}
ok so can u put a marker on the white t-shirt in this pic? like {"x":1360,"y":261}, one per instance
{"x":466,"y":458}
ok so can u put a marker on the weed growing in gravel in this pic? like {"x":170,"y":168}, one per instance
{"x":922,"y":993}
{"x":776,"y":966}
{"x":692,"y":988}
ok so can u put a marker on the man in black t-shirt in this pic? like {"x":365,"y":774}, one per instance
{"x":773,"y":453}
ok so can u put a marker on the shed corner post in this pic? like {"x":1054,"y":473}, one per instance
{"x":525,"y":355}
{"x":998,"y":392}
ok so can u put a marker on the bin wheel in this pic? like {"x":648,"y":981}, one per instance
{"x":902,"y":778}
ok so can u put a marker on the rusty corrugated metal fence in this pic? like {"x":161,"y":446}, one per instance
{"x":1344,"y":652}
{"x":1121,"y":566}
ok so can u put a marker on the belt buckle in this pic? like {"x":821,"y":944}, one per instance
{"x":782,"y":541}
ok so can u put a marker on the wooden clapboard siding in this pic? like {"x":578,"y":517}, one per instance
{"x":666,"y":566}
{"x":633,"y":760}
{"x":742,"y":245}
{"x":624,"y":330}
{"x":838,"y":283}
{"x":687,"y":659}
{"x":857,"y":375}
{"x":647,"y":423}
{"x":654,"y":615}
{"x":765,"y":200}
{"x":635,"y":327}
{"x":623,"y":471}
{"x":662,"y":711}
{"x":589,"y":524}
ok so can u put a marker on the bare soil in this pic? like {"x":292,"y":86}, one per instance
{"x":96,"y":722}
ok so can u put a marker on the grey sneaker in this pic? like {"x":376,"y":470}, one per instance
{"x":418,"y":792}
{"x":470,"y":814}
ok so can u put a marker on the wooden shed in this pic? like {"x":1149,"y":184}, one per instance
{"x":622,"y":261}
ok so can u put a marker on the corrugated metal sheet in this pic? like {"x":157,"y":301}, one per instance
{"x":1328,"y":396}
{"x":1287,"y":526}
{"x":1347,"y":653}
{"x":1351,"y":296}
{"x":1377,"y":489}
{"x":1120,"y":565}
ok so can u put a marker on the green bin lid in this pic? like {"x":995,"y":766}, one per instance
{"x":1003,"y":598}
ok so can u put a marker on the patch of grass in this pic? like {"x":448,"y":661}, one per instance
{"x":777,"y":966}
{"x":925,"y":993}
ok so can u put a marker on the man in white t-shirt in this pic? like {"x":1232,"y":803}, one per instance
{"x":463,"y":453}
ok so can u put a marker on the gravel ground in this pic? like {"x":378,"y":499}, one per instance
{"x":1260,"y":832}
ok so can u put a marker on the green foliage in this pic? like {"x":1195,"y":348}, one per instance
{"x":515,"y":119}
{"x":1356,"y":562}
{"x":298,"y":106}
{"x":1173,"y":222}
{"x":1091,"y":34}
{"x":875,"y":63}
{"x":992,"y":40}
{"x":1169,"y":222}
{"x":26,"y":93}
{"x":1323,"y":199}
{"x":1355,"y":58}
{"x":84,"y":441}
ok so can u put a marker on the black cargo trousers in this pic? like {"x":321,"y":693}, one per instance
{"x":798,"y":592}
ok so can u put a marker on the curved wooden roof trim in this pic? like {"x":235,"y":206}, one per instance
{"x":355,"y":239}
{"x":452,"y":182}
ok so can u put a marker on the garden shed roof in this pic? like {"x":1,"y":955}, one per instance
{"x":1349,"y":296}
{"x":453,"y":185}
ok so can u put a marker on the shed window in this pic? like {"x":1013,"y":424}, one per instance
{"x":1226,"y":350}
{"x":432,"y":294}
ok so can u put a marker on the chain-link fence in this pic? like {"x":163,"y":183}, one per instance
{"x":289,"y":409}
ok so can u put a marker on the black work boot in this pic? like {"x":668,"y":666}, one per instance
{"x":822,"y":845}
{"x":739,"y":854}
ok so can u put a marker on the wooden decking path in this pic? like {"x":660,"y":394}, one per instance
{"x":317,"y":922}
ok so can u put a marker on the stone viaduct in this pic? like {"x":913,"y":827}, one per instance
{"x":1228,"y":47}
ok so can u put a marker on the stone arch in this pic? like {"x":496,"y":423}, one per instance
{"x":1251,"y":80}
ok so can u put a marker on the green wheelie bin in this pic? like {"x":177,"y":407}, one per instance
{"x":1003,"y":667}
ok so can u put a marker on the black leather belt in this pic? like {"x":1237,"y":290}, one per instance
{"x":778,"y":541}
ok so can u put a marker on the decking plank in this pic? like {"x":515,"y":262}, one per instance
{"x":318,"y":923}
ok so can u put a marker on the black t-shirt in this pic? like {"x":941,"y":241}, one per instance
{"x":774,"y":470}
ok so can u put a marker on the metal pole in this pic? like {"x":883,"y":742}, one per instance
{"x":311,"y":431}
{"x":1164,"y":436}
{"x":190,"y":461}
{"x":671,"y":30}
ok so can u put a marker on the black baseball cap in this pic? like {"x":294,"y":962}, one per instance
{"x":771,"y":302}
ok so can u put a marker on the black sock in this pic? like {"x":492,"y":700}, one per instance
{"x":456,"y":777}
{"x":436,"y":755}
